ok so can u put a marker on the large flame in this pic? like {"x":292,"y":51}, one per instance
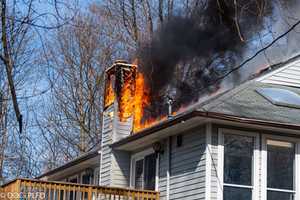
{"x":141,"y":100}
{"x":126,"y":99}
{"x":133,"y":101}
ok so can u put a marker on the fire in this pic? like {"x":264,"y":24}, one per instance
{"x":109,"y":94}
{"x":261,"y":69}
{"x":148,"y":123}
{"x":141,"y":100}
{"x":133,"y":100}
{"x":126,"y":103}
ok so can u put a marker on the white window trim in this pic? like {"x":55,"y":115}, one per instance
{"x":255,"y":166}
{"x":73,"y":177}
{"x":139,"y":156}
{"x":296,"y":141}
{"x":84,"y":173}
{"x":208,"y":163}
{"x":96,"y":175}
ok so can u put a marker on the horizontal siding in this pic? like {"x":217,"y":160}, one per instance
{"x":106,"y":151}
{"x":120,"y":169}
{"x":187,"y":173}
{"x":115,"y":165}
{"x":163,"y":167}
{"x":288,"y":75}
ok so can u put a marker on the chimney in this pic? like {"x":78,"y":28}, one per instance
{"x":117,"y":122}
{"x":118,"y":99}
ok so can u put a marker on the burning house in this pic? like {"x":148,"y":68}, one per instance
{"x":239,"y":144}
{"x":231,"y":143}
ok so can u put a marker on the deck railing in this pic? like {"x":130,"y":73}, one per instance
{"x":48,"y":190}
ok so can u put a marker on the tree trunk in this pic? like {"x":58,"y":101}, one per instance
{"x":9,"y":64}
{"x":161,"y":11}
{"x":134,"y":21}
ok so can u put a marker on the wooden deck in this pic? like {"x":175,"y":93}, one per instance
{"x":48,"y":190}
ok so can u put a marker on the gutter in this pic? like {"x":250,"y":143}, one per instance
{"x":162,"y":125}
{"x":206,"y":114}
{"x":77,"y":160}
{"x":250,"y":121}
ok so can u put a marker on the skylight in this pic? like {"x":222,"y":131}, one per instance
{"x":280,"y":97}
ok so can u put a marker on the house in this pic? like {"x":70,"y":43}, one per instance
{"x":83,"y":169}
{"x":241,"y":144}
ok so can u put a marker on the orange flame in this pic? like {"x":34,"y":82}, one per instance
{"x":134,"y":98}
{"x":261,"y":69}
{"x":126,"y":100}
{"x":141,"y":100}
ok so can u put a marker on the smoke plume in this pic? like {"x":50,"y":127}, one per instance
{"x":188,"y":53}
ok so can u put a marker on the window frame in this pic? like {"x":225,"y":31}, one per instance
{"x":73,"y":177}
{"x":140,"y":156}
{"x":91,"y":181}
{"x":264,"y":157}
{"x":96,"y":175}
{"x":255,"y":164}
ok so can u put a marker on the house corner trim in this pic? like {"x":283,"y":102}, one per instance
{"x":208,"y":161}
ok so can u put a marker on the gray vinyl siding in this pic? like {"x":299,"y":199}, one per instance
{"x":107,"y":133}
{"x":289,"y":75}
{"x":115,"y":165}
{"x":163,"y":168}
{"x":120,"y":171}
{"x":122,"y":129}
{"x":186,"y":165}
{"x":187,"y":169}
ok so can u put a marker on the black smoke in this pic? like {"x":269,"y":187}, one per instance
{"x":188,"y":53}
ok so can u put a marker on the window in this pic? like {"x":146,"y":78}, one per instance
{"x":238,"y":154}
{"x":73,"y":195}
{"x":245,"y":175}
{"x":280,"y":170}
{"x":139,"y":174}
{"x":237,"y":165}
{"x":144,"y":173}
{"x":280,"y":97}
{"x":87,"y":178}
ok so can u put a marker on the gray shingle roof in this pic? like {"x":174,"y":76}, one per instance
{"x":244,"y":101}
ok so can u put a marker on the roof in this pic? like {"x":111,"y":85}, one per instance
{"x":77,"y":160}
{"x":245,"y":102}
{"x":242,"y":104}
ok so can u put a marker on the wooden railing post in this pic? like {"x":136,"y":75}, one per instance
{"x":90,"y":193}
{"x":60,"y":190}
{"x":17,"y":189}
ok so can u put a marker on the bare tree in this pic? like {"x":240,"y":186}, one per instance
{"x":15,"y":55}
{"x":78,"y":55}
{"x":20,"y":24}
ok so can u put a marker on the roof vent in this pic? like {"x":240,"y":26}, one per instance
{"x":280,"y":97}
